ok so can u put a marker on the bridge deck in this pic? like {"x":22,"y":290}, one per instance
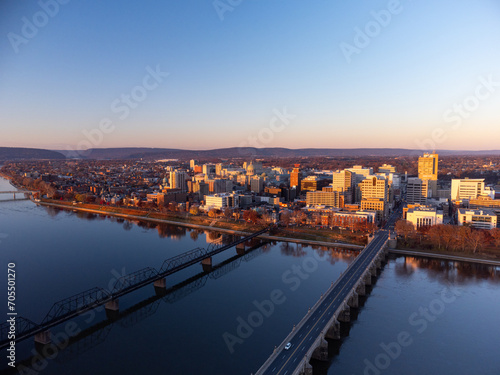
{"x":316,"y":323}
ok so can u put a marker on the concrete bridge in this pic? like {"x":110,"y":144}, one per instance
{"x":308,"y":338}
{"x":322,"y":321}
{"x":14,"y":192}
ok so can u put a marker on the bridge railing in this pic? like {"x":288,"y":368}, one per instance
{"x":133,"y":279}
{"x":75,"y":303}
{"x":22,"y":326}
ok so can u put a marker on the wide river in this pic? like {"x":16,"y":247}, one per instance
{"x":421,"y":317}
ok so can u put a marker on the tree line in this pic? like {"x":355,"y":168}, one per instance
{"x":448,"y":237}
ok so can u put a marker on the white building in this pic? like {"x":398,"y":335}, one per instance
{"x":480,"y":219}
{"x":469,"y":189}
{"x":221,"y":201}
{"x":424,"y":216}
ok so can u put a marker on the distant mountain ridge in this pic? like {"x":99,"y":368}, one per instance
{"x":20,"y":153}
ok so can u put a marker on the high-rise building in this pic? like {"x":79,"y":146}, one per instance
{"x":428,"y":171}
{"x":428,"y":167}
{"x":375,"y":187}
{"x":343,"y":181}
{"x":375,"y":195}
{"x":209,"y":170}
{"x":416,"y":191}
{"x":256,"y":184}
{"x":193,"y":163}
{"x":178,"y":180}
{"x":295,"y":177}
{"x":218,"y":169}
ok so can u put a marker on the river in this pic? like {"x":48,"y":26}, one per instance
{"x":224,"y":322}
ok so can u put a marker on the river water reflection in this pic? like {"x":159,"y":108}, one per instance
{"x":215,"y":323}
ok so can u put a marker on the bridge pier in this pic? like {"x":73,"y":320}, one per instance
{"x":320,"y":353}
{"x":240,"y":248}
{"x":43,"y":338}
{"x":353,"y":300}
{"x":160,"y":286}
{"x":345,"y":315}
{"x":333,"y":332}
{"x":112,"y":309}
{"x":361,"y":289}
{"x":373,"y":270}
{"x":368,"y":278}
{"x":307,"y":369}
{"x":207,"y":264}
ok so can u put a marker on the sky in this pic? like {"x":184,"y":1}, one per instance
{"x":204,"y":74}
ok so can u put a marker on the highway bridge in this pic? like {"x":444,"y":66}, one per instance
{"x":308,"y":338}
{"x":80,"y":303}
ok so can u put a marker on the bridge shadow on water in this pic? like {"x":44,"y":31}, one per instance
{"x":322,"y":367}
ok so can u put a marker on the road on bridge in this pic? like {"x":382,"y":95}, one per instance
{"x":286,"y":361}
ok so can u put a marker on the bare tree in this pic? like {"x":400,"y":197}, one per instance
{"x":404,"y":228}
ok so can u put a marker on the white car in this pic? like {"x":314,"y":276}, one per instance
{"x":288,"y":346}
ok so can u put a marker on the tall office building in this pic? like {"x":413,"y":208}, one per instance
{"x":193,"y":163}
{"x":295,"y":177}
{"x":375,"y":187}
{"x":343,"y":181}
{"x":375,"y":195}
{"x":256,"y":184}
{"x":178,"y":180}
{"x":209,"y":170}
{"x":428,"y":167}
{"x":416,"y":191}
{"x":428,"y":171}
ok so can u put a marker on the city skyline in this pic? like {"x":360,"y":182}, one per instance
{"x":207,"y":76}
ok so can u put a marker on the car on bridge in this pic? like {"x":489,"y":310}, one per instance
{"x":288,"y":346}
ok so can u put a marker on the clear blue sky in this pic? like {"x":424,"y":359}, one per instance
{"x":228,"y":76}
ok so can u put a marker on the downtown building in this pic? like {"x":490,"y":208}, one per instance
{"x":428,"y":171}
{"x":424,"y":216}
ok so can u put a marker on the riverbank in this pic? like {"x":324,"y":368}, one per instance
{"x":236,"y":228}
{"x":446,"y":256}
